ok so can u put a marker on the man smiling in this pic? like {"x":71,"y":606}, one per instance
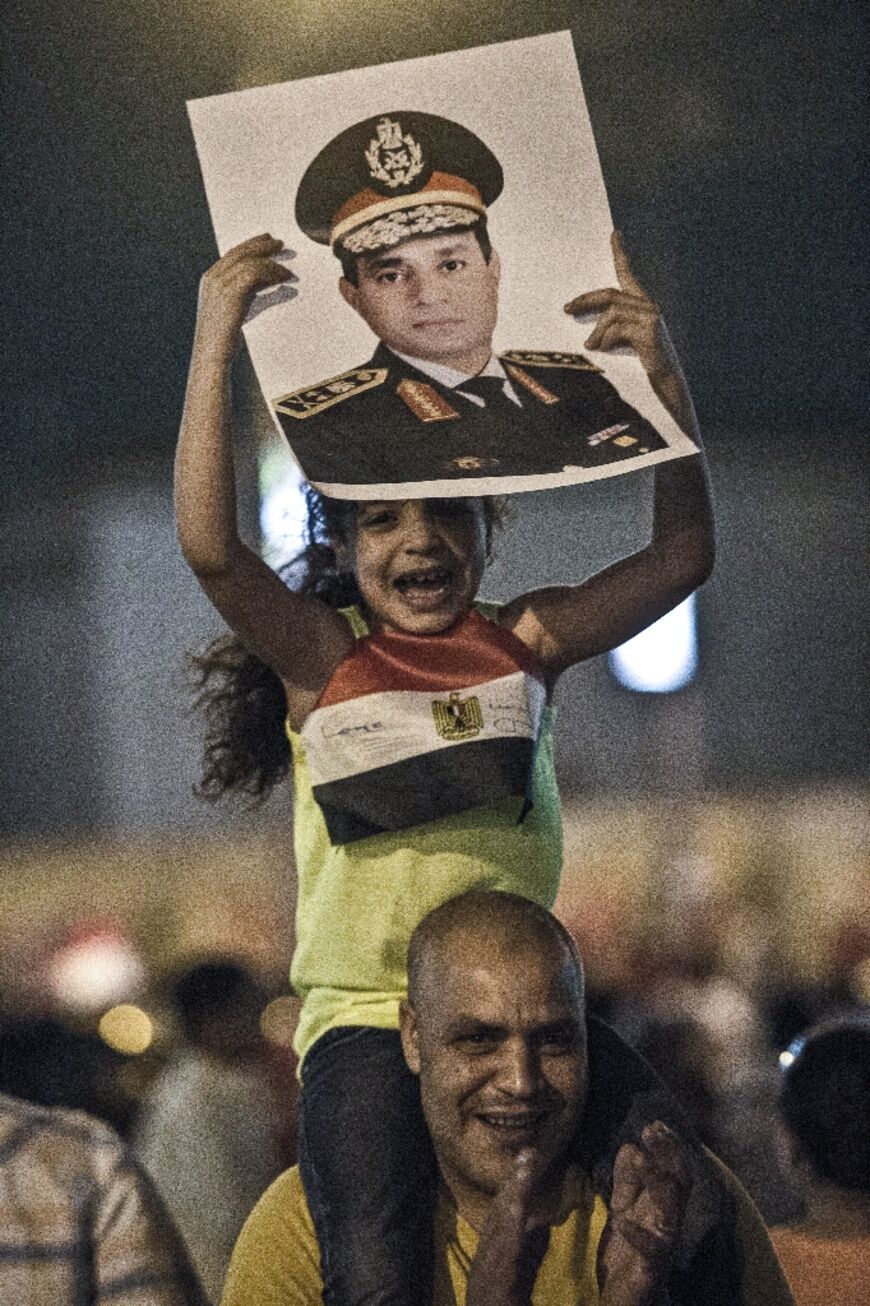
{"x":503,"y":1065}
{"x":561,"y":1182}
{"x":402,"y":200}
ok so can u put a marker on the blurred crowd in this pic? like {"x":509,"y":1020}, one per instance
{"x":206,"y":1103}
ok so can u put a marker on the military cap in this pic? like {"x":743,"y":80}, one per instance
{"x":394,"y":176}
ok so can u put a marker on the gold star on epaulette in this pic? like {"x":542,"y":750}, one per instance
{"x":315,"y":398}
{"x":549,"y":358}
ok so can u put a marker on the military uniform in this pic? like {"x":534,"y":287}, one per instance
{"x":387,"y":421}
{"x":390,"y":179}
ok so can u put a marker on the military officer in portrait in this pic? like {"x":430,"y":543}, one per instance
{"x":402,"y":200}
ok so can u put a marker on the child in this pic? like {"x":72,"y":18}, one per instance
{"x":371,"y":859}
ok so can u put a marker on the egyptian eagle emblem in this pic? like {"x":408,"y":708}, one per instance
{"x":394,"y":157}
{"x":457,"y":718}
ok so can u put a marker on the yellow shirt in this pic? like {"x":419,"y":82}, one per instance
{"x":358,"y":904}
{"x":277,"y":1263}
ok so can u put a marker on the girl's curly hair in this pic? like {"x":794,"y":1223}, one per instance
{"x":246,"y":750}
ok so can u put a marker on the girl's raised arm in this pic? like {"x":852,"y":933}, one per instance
{"x":569,"y":623}
{"x":301,"y":638}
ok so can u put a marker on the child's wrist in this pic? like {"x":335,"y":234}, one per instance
{"x":216,"y":345}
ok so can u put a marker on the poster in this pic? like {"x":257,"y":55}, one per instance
{"x":435,"y":356}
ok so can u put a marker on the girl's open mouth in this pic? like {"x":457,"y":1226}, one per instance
{"x":425,"y":588}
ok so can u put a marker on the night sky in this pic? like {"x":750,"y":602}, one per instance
{"x":729,"y":138}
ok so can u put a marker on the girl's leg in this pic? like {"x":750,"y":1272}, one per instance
{"x":368,"y":1170}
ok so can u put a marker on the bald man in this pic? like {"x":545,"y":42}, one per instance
{"x":567,"y":1175}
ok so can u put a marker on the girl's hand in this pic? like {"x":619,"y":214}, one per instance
{"x":629,"y":317}
{"x":228,"y":287}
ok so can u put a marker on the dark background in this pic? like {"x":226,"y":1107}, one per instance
{"x":729,"y":139}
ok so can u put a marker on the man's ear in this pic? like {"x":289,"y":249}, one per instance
{"x":495,"y":265}
{"x":349,"y":292}
{"x":409,"y":1035}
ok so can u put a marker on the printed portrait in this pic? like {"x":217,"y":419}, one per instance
{"x":423,"y":347}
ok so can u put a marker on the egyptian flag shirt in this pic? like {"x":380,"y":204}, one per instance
{"x":449,"y":715}
{"x":413,"y":728}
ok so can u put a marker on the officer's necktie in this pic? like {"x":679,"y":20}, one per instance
{"x":491,"y":390}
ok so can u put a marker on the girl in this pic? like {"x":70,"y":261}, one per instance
{"x":380,"y":636}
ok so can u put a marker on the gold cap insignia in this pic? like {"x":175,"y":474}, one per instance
{"x":469,"y":462}
{"x":424,"y":401}
{"x":393,"y":156}
{"x":458,"y":718}
{"x":315,"y":398}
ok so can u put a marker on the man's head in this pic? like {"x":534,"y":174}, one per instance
{"x":495,"y":1027}
{"x":824,"y":1103}
{"x":402,"y":200}
{"x":218,"y":1004}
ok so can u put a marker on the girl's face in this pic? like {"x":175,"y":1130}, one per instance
{"x":418,"y":562}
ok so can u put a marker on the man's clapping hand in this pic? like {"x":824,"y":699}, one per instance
{"x":651,"y":1186}
{"x":511,"y":1245}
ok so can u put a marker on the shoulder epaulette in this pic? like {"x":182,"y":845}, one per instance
{"x":549,"y":358}
{"x":315,"y":398}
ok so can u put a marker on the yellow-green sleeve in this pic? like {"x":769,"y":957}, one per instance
{"x":764,"y":1283}
{"x":276,"y":1261}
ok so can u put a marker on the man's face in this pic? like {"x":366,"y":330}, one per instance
{"x":499,"y":1042}
{"x":432,"y":297}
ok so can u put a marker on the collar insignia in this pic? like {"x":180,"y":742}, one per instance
{"x":424,"y":401}
{"x":534,"y":387}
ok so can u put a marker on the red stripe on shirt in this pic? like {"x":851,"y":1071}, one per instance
{"x":471,"y":652}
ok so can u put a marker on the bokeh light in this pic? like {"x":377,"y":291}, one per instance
{"x":95,"y":968}
{"x":283,"y":514}
{"x":279,"y":1019}
{"x":127,"y":1029}
{"x":662,"y":658}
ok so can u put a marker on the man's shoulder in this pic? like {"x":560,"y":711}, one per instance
{"x":762,"y":1281}
{"x":283,"y":1205}
{"x":311,"y":400}
{"x":276,"y":1258}
{"x":553,"y":374}
{"x":57,"y":1138}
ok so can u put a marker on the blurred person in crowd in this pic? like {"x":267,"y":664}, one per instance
{"x":44,"y":1061}
{"x":824,"y":1105}
{"x":679,"y":1050}
{"x":693,"y":985}
{"x":566,"y":1169}
{"x":206,"y":1134}
{"x":79,"y":1220}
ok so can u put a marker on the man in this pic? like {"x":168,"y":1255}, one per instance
{"x":561,"y":1183}
{"x":402,"y":199}
{"x":206,"y":1136}
{"x":824,"y":1146}
{"x":79,"y":1221}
